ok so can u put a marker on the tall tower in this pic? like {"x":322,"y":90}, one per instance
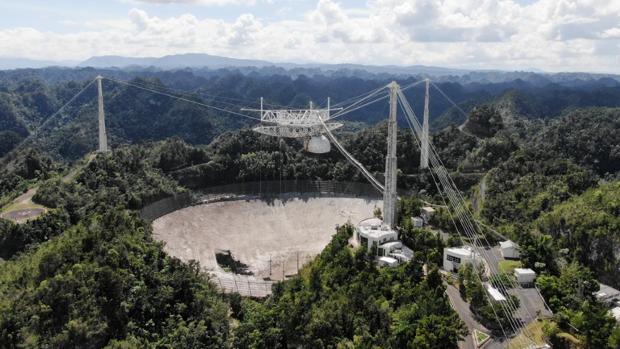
{"x":103,"y":137}
{"x":424,"y":145}
{"x":389,"y":194}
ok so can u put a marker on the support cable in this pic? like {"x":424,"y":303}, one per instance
{"x":183,"y":99}
{"x":449,"y":100}
{"x":460,"y":209}
{"x":189,"y":94}
{"x":351,"y":159}
{"x":48,"y":120}
{"x":418,"y":141}
{"x":369,"y":95}
{"x":475,"y":267}
{"x":455,"y":200}
{"x":463,"y":212}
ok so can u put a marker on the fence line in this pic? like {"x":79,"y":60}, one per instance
{"x":263,"y":189}
{"x":247,"y":286}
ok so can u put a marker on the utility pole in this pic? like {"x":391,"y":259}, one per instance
{"x":425,"y":137}
{"x":389,"y":194}
{"x":103,"y":137}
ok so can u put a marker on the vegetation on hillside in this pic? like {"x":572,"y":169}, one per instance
{"x":343,"y":300}
{"x":88,"y":274}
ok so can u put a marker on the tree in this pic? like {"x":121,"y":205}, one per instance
{"x":484,"y":121}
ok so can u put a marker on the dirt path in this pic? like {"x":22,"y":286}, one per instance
{"x":23,"y":208}
{"x":478,"y":199}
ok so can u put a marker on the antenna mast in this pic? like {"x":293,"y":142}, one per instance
{"x":389,"y":194}
{"x":425,"y":138}
{"x":103,"y":138}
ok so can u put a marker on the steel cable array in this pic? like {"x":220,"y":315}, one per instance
{"x":449,"y":189}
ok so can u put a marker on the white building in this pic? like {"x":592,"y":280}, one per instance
{"x":494,"y":293}
{"x":454,"y":257}
{"x":426,"y":213}
{"x":525,"y":276}
{"x":509,"y":249}
{"x":607,"y":294}
{"x":372,"y":233}
{"x":417,"y":222}
{"x":378,"y":237}
{"x":396,"y":250}
{"x":387,"y":261}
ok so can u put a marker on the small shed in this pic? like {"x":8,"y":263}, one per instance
{"x":509,"y":249}
{"x":427,"y":213}
{"x":417,"y":222}
{"x":387,"y":261}
{"x":525,"y":276}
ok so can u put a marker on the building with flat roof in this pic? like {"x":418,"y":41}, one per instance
{"x":525,"y":276}
{"x":385,"y":261}
{"x":417,"y":222}
{"x":607,"y":294}
{"x":427,"y":213}
{"x":454,"y":257}
{"x":509,"y":249}
{"x":378,"y":238}
{"x":372,"y":233}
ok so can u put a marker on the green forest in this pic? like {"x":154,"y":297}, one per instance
{"x":88,"y":273}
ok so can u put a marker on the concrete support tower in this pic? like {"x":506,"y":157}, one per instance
{"x":425,"y":137}
{"x":389,"y":194}
{"x":103,"y":137}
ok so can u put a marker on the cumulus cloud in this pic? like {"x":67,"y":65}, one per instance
{"x":244,"y":29}
{"x":198,"y":2}
{"x":547,"y":34}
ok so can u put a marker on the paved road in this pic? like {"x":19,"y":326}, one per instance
{"x":462,"y":308}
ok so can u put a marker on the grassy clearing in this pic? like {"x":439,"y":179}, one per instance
{"x":535,"y":328}
{"x":508,"y":266}
{"x":22,"y":206}
{"x":17,"y":206}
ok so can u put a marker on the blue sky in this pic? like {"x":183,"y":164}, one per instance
{"x":552,"y":35}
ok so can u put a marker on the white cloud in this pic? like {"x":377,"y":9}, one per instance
{"x":198,"y":2}
{"x":548,"y":34}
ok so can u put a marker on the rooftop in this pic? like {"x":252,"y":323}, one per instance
{"x":374,"y":228}
{"x":494,"y":293}
{"x":462,"y":251}
{"x":507,"y":244}
{"x":395,"y":244}
{"x":524,"y":271}
{"x":606,"y":292}
{"x":388,"y":259}
{"x":428,"y":209}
